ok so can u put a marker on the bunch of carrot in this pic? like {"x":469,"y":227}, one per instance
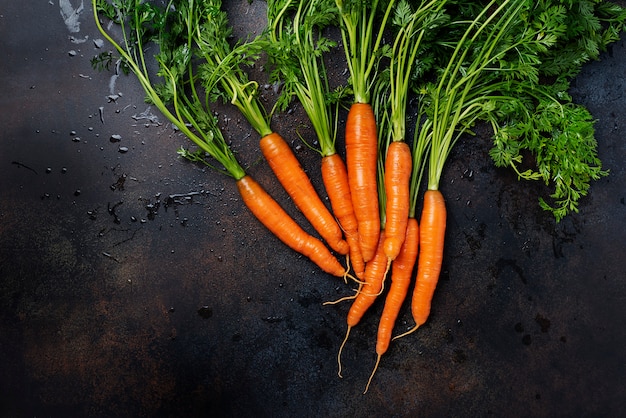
{"x":379,"y":181}
{"x":374,"y":193}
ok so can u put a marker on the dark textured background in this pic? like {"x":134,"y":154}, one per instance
{"x":136,"y":284}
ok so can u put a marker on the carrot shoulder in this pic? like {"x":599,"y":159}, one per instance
{"x":290,"y":174}
{"x":361,"y":160}
{"x":273,"y":216}
{"x":398,"y":166}
{"x":335,"y":178}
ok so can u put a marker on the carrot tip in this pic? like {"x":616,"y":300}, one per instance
{"x":341,"y":349}
{"x":369,"y":381}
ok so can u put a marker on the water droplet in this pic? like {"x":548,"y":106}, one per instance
{"x":48,"y":170}
{"x":77,"y":192}
{"x":123,"y":150}
{"x":115,"y":138}
{"x":205,"y":312}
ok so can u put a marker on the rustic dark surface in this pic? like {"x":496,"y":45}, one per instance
{"x":137,"y":284}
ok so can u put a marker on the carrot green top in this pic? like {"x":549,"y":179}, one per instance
{"x":362,"y":42}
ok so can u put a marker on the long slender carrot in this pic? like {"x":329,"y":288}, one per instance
{"x":269,"y":212}
{"x":374,"y":276}
{"x":362,"y":33}
{"x":401,"y":274}
{"x":193,"y":118}
{"x":432,"y":232}
{"x":335,"y":178}
{"x":290,"y":174}
{"x":296,"y":28}
{"x":361,"y":160}
{"x":398,"y":166}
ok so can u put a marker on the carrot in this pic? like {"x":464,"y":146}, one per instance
{"x":335,"y":178}
{"x":361,"y":154}
{"x":372,"y":286}
{"x":398,"y":166}
{"x":296,"y":30}
{"x":401,"y":274}
{"x":433,"y":228}
{"x":362,"y":34}
{"x":298,"y":185}
{"x":269,"y":212}
{"x":432,"y":232}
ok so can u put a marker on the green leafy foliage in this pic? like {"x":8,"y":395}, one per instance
{"x":510,"y":63}
{"x":507,"y":62}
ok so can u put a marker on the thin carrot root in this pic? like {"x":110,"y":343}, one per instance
{"x":411,"y":331}
{"x":369,"y":381}
{"x":341,"y":349}
{"x":343,"y":299}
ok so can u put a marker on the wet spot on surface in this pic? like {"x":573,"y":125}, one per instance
{"x":205,"y":312}
{"x":504,"y":265}
{"x":543,"y":322}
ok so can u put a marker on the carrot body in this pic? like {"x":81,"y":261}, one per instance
{"x":374,"y":276}
{"x":401,"y":274}
{"x":335,"y":178}
{"x":398,"y":166}
{"x":361,"y":160}
{"x":269,"y":212}
{"x":290,"y":174}
{"x":432,"y":231}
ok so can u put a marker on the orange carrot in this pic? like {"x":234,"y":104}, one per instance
{"x":269,"y":212}
{"x":298,"y":185}
{"x":432,"y":232}
{"x":335,"y":178}
{"x":361,"y":159}
{"x":374,"y":276}
{"x":401,"y":274}
{"x":398,"y":166}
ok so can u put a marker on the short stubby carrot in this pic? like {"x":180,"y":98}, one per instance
{"x":361,"y":160}
{"x":398,"y":166}
{"x":335,"y":178}
{"x":290,"y":174}
{"x":274,"y":217}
